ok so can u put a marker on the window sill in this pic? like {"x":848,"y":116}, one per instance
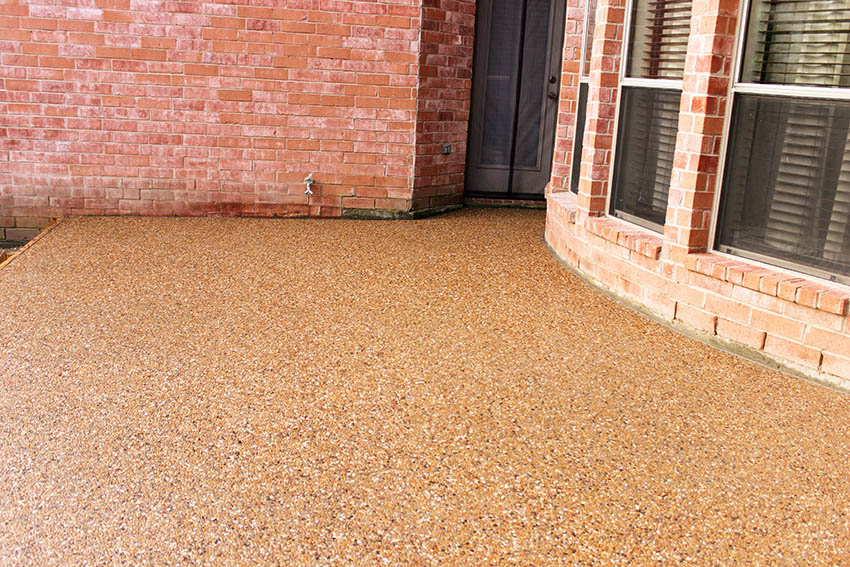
{"x":620,"y":232}
{"x":800,"y":290}
{"x":637,"y":239}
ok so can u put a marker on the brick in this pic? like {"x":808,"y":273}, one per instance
{"x":795,"y":352}
{"x":661,"y":305}
{"x":239,"y":95}
{"x":21,"y":233}
{"x":203,"y":101}
{"x":776,"y":324}
{"x":788,"y":289}
{"x":808,"y":294}
{"x":698,"y":318}
{"x":730,"y":309}
{"x":833,"y":301}
{"x":741,"y":333}
{"x":753,"y":277}
{"x":834,"y":342}
{"x":195,"y":69}
{"x":814,"y":317}
{"x":836,"y":365}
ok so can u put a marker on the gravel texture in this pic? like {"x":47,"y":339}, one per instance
{"x":437,"y":392}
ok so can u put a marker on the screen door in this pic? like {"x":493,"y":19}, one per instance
{"x":515,"y":88}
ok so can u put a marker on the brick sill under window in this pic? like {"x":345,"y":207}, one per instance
{"x":622,"y":233}
{"x":793,"y":288}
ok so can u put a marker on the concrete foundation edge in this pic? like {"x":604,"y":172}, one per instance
{"x":389,"y":214}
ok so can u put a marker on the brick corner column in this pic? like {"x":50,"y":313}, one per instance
{"x":563,"y":157}
{"x":601,"y":108}
{"x":443,"y":97}
{"x":705,"y":88}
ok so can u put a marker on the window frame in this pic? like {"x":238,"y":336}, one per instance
{"x":583,"y":71}
{"x":737,"y":86}
{"x":626,"y":81}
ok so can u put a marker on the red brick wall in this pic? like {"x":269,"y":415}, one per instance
{"x":445,"y":82}
{"x":705,"y":85}
{"x":601,"y":107}
{"x":568,"y":102}
{"x":223,"y":107}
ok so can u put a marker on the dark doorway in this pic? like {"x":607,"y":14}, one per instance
{"x":515,"y":88}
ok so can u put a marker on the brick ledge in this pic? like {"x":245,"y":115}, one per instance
{"x":636,"y":239}
{"x":763,"y":280}
{"x":567,"y":201}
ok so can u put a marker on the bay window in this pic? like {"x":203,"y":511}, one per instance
{"x":785,"y":197}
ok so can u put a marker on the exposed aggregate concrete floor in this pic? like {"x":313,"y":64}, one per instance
{"x":436,"y":392}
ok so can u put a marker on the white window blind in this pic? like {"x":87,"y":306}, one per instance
{"x":787,"y":187}
{"x":786,"y":193}
{"x":646,"y":147}
{"x":659,"y":39}
{"x":798,"y":42}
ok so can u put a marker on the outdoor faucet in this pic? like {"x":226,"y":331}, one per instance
{"x":309,"y":182}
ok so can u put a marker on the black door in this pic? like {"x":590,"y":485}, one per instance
{"x":515,"y":87}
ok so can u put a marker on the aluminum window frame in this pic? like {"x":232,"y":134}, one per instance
{"x":582,"y":54}
{"x":737,"y":86}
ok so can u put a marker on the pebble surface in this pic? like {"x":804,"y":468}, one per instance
{"x":435,"y":392}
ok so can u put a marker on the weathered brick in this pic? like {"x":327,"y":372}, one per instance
{"x":698,"y":318}
{"x":214,"y":83}
{"x":793,"y":351}
{"x":776,"y":324}
{"x":741,"y":333}
{"x":834,"y":342}
{"x":836,"y":365}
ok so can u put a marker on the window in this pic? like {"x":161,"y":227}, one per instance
{"x":643,"y":169}
{"x":649,"y":110}
{"x":786,"y":187}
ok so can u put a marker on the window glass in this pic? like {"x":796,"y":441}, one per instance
{"x":581,"y":118}
{"x":590,"y":14}
{"x":646,"y":142}
{"x":659,"y":39}
{"x":798,"y":42}
{"x":787,"y":183}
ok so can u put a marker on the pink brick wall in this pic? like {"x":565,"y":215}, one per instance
{"x":601,"y":107}
{"x":223,"y":107}
{"x":705,"y":85}
{"x":568,"y":102}
{"x":445,"y":82}
{"x":800,"y":322}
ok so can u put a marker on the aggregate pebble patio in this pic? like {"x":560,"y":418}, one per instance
{"x":435,"y":392}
